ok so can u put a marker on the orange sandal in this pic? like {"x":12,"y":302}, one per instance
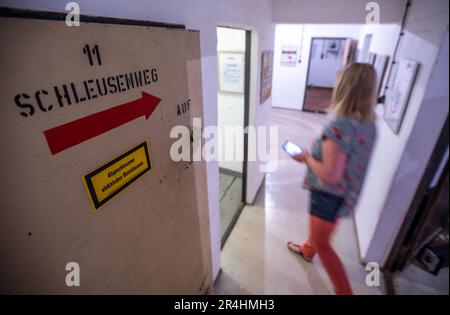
{"x":295,"y":248}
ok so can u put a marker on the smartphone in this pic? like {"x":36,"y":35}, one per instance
{"x":291,"y":148}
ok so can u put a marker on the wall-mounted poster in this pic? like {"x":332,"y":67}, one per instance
{"x":349,"y":52}
{"x":266,"y":75}
{"x":334,"y":48}
{"x":231,"y":72}
{"x":399,"y":93}
{"x":380,"y":65}
{"x":289,"y":55}
{"x":371,"y":58}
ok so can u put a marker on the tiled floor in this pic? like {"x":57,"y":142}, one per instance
{"x":255,"y":259}
{"x":414,"y":280}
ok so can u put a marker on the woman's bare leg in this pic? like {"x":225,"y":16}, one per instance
{"x":320,"y":233}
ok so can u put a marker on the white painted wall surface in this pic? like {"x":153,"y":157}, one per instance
{"x":230,"y":106}
{"x":382,"y":41}
{"x":205,"y":16}
{"x":288,"y":87}
{"x":332,"y":11}
{"x":399,"y":160}
{"x":385,"y":156}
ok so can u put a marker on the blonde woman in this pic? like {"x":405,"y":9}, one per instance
{"x":337,"y":165}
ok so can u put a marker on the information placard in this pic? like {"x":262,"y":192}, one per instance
{"x":113,"y":177}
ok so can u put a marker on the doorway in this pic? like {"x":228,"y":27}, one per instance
{"x":233,"y":85}
{"x":422,"y":243}
{"x":325,"y":60}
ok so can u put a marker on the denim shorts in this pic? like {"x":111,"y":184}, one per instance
{"x":324,"y":205}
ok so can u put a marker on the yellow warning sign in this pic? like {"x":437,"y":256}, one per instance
{"x":113,"y":177}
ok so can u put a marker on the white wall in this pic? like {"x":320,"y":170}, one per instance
{"x":203,"y":15}
{"x":399,"y":160}
{"x":230,"y":106}
{"x":383,"y":40}
{"x":332,"y":11}
{"x":286,"y":88}
{"x":288,"y":85}
{"x":385,"y":156}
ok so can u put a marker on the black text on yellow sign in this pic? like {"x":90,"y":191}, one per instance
{"x":110,"y":179}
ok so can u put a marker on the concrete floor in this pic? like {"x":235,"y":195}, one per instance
{"x":255,"y":259}
{"x":413,"y":280}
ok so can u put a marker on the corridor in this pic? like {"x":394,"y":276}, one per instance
{"x":255,"y":259}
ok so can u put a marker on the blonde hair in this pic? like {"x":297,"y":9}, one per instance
{"x":355,"y":92}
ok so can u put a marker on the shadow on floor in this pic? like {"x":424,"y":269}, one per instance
{"x":226,"y":285}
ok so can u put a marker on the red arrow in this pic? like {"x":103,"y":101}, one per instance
{"x":72,"y":133}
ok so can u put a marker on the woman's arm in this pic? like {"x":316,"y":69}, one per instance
{"x":331,"y":168}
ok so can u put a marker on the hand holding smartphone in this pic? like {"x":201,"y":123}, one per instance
{"x":291,"y":148}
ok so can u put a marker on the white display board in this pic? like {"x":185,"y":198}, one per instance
{"x":231,"y":72}
{"x":399,"y":93}
{"x":289,"y":55}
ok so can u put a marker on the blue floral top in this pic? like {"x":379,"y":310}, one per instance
{"x":356,"y":140}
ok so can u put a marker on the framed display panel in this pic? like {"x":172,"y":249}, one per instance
{"x":231,"y":72}
{"x":380,"y":65}
{"x":371,"y":58}
{"x":266,"y":75}
{"x":399,"y":93}
{"x":289,"y":55}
